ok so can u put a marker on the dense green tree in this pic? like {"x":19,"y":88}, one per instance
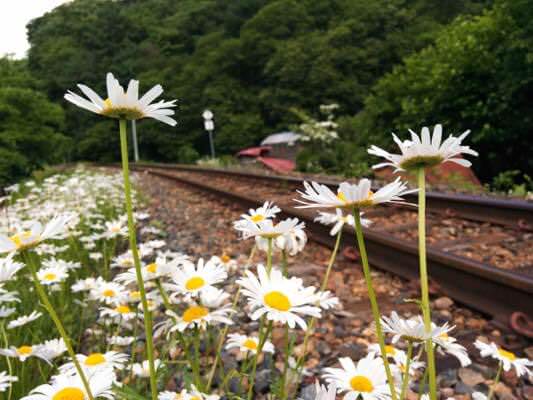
{"x":478,"y":75}
{"x":249,"y":61}
{"x":30,"y":125}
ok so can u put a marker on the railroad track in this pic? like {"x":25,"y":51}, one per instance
{"x":506,"y":295}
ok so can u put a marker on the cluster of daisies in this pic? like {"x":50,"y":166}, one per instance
{"x":68,"y":236}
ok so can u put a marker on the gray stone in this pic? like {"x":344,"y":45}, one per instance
{"x":263,"y":380}
{"x":470,"y":377}
{"x":447,"y":378}
{"x":443,"y":303}
{"x":308,"y":393}
{"x":462,"y":388}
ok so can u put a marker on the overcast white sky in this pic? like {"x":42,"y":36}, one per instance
{"x":14,"y":15}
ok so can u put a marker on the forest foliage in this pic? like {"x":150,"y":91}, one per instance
{"x":389,"y":64}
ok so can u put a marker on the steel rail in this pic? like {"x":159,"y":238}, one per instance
{"x":498,"y":293}
{"x":514,"y":213}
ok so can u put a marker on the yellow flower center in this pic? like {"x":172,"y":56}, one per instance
{"x":194,"y":283}
{"x":194,"y":312}
{"x":109,"y":293}
{"x":95,"y":359}
{"x":444,"y":336}
{"x":390,"y":350}
{"x":257,"y":218}
{"x":50,"y":276}
{"x":19,"y":238}
{"x":115,"y":229}
{"x":250,"y":344}
{"x":277,"y":301}
{"x":135,"y":295}
{"x":24,"y":350}
{"x":507,"y":354}
{"x":342,"y":197}
{"x":69,"y":393}
{"x":122,"y":309}
{"x":361,"y":383}
{"x":225,"y":258}
{"x":195,"y":398}
{"x":107,"y":103}
{"x":152,"y":268}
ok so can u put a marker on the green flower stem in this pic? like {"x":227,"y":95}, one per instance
{"x":424,"y":287}
{"x":283,"y":395}
{"x":269,"y":256}
{"x":373,"y":301}
{"x":262,"y":340}
{"x":196,"y":359}
{"x":133,"y":245}
{"x":8,"y":361}
{"x":405,"y":383}
{"x":226,"y":328}
{"x":164,"y":295}
{"x":299,"y":363}
{"x":496,"y":380}
{"x":59,"y":325}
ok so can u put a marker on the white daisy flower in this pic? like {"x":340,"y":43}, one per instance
{"x":268,"y":230}
{"x":53,"y":348}
{"x":142,"y":370}
{"x":507,"y":358}
{"x":247,"y":344}
{"x":58,"y":263}
{"x":6,"y":311}
{"x":338,"y":220}
{"x":191,"y":280}
{"x":326,"y":300}
{"x":24,"y":352}
{"x":291,"y":242}
{"x":6,"y":296}
{"x":120,"y":340}
{"x":352,"y":195}
{"x":267,"y":211}
{"x":425,"y":151}
{"x":125,"y":104}
{"x":411,"y":329}
{"x":229,"y":263}
{"x":209,"y":311}
{"x":155,"y":244}
{"x":115,"y":229}
{"x":323,"y":393}
{"x":26,"y":239}
{"x":123,"y":261}
{"x":71,"y":387}
{"x":6,"y":381}
{"x":109,"y":293}
{"x":192,"y":394}
{"x":52,"y":275}
{"x":281,"y":299}
{"x":120,"y":313}
{"x":23,"y":320}
{"x":84,"y":285}
{"x":8,"y":268}
{"x":110,"y":360}
{"x":158,"y":269}
{"x":449,"y":345}
{"x":366,"y":379}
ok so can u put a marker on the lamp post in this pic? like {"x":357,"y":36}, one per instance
{"x":209,"y":126}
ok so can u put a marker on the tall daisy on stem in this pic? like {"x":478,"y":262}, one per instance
{"x":126,"y":105}
{"x":353,"y":198}
{"x":417,"y":155}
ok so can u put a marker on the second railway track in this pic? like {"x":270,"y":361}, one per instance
{"x":504,"y":294}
